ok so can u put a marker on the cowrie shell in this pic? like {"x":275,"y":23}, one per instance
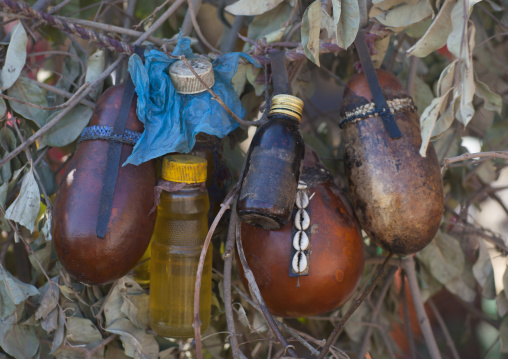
{"x":301,"y":241}
{"x":299,"y":262}
{"x":302,"y":220}
{"x":302,"y":199}
{"x":302,"y":185}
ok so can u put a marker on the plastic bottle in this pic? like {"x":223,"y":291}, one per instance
{"x":272,"y":166}
{"x":180,"y":230}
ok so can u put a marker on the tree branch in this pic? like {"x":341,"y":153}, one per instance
{"x":338,"y":328}
{"x":255,"y":293}
{"x":197,"y":323}
{"x":408,"y":264}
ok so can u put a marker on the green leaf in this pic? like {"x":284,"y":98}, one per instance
{"x":484,"y":272}
{"x":20,"y":341}
{"x":3,"y":194}
{"x":240,"y":78}
{"x":428,"y":284}
{"x":446,"y":119}
{"x":269,"y":23}
{"x":493,"y":101}
{"x":467,"y":90}
{"x":68,"y":129}
{"x":502,"y":304}
{"x":94,"y":68}
{"x":249,"y":7}
{"x":457,"y":41}
{"x":26,"y":90}
{"x":311,"y":28}
{"x":428,"y":120}
{"x":59,"y":336}
{"x":82,"y":331}
{"x":25,"y":208}
{"x":12,"y":292}
{"x":135,"y":306}
{"x":113,"y":305}
{"x":3,"y":108}
{"x":437,"y":33}
{"x":503,"y":335}
{"x":135,"y":341}
{"x":346,"y":15}
{"x":443,"y":258}
{"x":405,"y":14}
{"x":48,"y":303}
{"x":16,"y":56}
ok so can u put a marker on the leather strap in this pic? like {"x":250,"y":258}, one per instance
{"x":113,"y":156}
{"x":279,"y":72}
{"x":375,"y":87}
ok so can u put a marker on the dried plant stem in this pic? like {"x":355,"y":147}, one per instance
{"x":377,"y":309}
{"x":80,"y":94}
{"x":36,"y":174}
{"x":407,"y":321}
{"x":468,"y":156}
{"x":161,"y":20}
{"x":408,"y":264}
{"x":197,"y":323}
{"x":338,"y":328}
{"x":295,"y":333}
{"x":63,"y":93}
{"x":255,"y":293}
{"x":228,"y":262}
{"x":446,"y":333}
{"x":218,"y":99}
{"x":192,"y":13}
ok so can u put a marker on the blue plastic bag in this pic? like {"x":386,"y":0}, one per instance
{"x":173,"y":120}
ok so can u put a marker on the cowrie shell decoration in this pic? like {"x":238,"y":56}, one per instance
{"x":301,"y":241}
{"x":299,"y":262}
{"x":302,"y":220}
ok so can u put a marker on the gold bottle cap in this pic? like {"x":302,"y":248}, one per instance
{"x":184,"y":169}
{"x":185,"y":81}
{"x":288,"y":105}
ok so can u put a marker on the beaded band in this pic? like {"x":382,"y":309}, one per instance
{"x":106,"y":133}
{"x":369,"y":110}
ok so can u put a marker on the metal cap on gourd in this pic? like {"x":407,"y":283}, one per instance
{"x":186,"y":82}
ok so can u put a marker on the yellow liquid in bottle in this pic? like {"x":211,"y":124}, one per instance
{"x":180,"y":230}
{"x":141,"y":273}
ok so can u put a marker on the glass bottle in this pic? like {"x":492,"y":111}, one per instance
{"x":180,"y":230}
{"x":272,"y":166}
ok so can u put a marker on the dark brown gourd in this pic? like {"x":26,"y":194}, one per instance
{"x":397,"y":194}
{"x":336,"y":252}
{"x":85,"y":256}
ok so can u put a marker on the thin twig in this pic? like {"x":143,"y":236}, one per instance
{"x":407,"y":321}
{"x":377,"y":309}
{"x":338,"y":328}
{"x":160,"y":21}
{"x":446,"y":333}
{"x":83,"y":91}
{"x":408,"y":264}
{"x":254,"y":290}
{"x":36,"y":173}
{"x":228,"y":262}
{"x":19,"y":10}
{"x":197,"y":323}
{"x":63,"y":93}
{"x":468,"y":156}
{"x":218,"y":99}
{"x":198,"y":29}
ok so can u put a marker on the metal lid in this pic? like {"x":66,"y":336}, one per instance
{"x":185,"y":81}
{"x":288,"y":105}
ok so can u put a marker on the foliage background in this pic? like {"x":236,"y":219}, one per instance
{"x":450,"y":54}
